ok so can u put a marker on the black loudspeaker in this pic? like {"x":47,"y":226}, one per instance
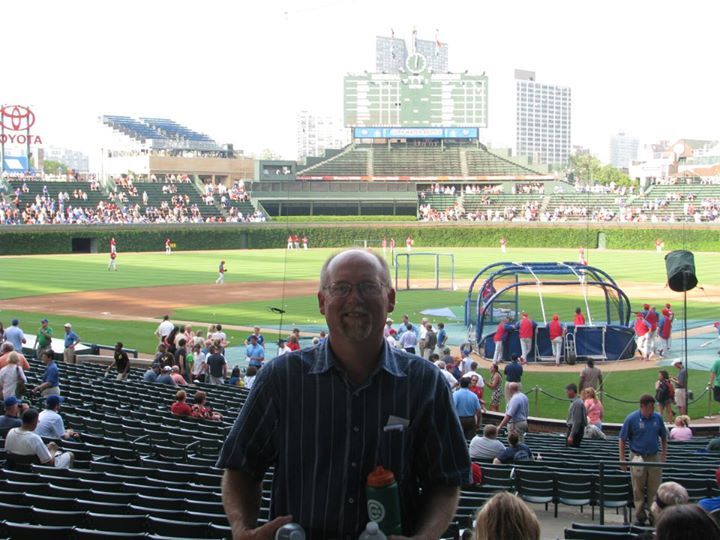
{"x":680,"y":266}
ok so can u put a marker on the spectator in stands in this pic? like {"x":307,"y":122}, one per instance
{"x":664,"y":394}
{"x":255,"y":353}
{"x":51,"y":424}
{"x":686,"y":522}
{"x":180,"y":406}
{"x":293,"y":342}
{"x":164,"y":329}
{"x":217,"y":366}
{"x":177,"y":377}
{"x":591,"y":377}
{"x":282,"y":347}
{"x":505,"y":516}
{"x":121,"y":362}
{"x":468,"y":408}
{"x":680,"y":383}
{"x":513,"y":374}
{"x":441,"y":335}
{"x":487,"y":446}
{"x":15,"y":335}
{"x":71,"y":341}
{"x":477,"y":384}
{"x":258,"y":335}
{"x":710,"y":504}
{"x":23,"y":441}
{"x":44,"y":336}
{"x":250,"y":375}
{"x":681,"y":431}
{"x":236,"y":378}
{"x":668,"y":494}
{"x":2,"y":327}
{"x":516,"y":413}
{"x":408,"y":339}
{"x":7,"y":350}
{"x":180,"y":360}
{"x":641,"y":431}
{"x":517,"y":451}
{"x":430,"y":341}
{"x":576,"y":417}
{"x":51,"y":377}
{"x":10,"y":376}
{"x":449,"y":378}
{"x":594,"y":408}
{"x":495,"y":384}
{"x":11,"y":417}
{"x":355,"y":297}
{"x":152,"y":374}
{"x":200,"y":410}
{"x":166,"y":376}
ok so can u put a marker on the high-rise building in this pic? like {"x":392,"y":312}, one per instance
{"x":317,"y":133}
{"x":70,"y":158}
{"x":543,"y":120}
{"x":391,"y":53}
{"x":623,"y":150}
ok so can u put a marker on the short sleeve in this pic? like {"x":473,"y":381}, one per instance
{"x":250,"y":446}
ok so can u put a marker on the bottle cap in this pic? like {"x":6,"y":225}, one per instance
{"x":380,"y":477}
{"x":372,"y":527}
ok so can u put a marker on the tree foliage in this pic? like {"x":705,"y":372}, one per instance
{"x":54,"y":167}
{"x":588,"y":168}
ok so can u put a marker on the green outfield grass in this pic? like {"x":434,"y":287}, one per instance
{"x":51,"y":274}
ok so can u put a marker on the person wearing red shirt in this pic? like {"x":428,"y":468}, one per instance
{"x":384,"y":245}
{"x":652,"y":318}
{"x":168,"y":247}
{"x":579,"y":317}
{"x":581,"y":259}
{"x":556,"y":332}
{"x":290,"y":242}
{"x":642,"y":332}
{"x":503,"y":244}
{"x":664,"y":331}
{"x":409,"y":243}
{"x":671,"y":315}
{"x":526,"y":331}
{"x":392,"y":246}
{"x":499,"y":337}
{"x":180,"y":407}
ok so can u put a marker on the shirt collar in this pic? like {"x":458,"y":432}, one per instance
{"x":323,"y":359}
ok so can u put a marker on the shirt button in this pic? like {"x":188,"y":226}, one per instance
{"x":356,"y":429}
{"x":351,"y":500}
{"x":353,"y":464}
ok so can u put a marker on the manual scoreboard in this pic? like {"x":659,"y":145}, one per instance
{"x":416,"y":97}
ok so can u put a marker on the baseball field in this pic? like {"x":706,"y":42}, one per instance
{"x":276,"y":290}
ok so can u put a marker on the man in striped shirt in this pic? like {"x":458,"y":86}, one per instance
{"x":317,"y":415}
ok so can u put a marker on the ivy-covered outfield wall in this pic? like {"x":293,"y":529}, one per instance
{"x":23,"y":240}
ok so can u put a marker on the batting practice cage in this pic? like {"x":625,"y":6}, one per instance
{"x":500,"y":292}
{"x":424,"y":270}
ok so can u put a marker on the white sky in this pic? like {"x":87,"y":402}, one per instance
{"x":240,"y":71}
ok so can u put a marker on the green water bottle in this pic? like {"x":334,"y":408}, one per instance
{"x":383,"y":501}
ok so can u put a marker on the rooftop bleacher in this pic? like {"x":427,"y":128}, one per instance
{"x":161,"y":132}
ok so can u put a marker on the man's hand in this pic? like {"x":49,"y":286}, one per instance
{"x":266,"y":532}
{"x":570,"y":439}
{"x":623,"y":468}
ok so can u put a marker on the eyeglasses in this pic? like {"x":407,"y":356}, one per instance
{"x":366,"y":289}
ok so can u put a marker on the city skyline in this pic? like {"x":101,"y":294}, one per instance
{"x":242,"y":78}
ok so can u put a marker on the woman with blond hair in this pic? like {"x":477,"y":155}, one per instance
{"x":10,"y":375}
{"x":594,"y":408}
{"x":505,"y":516}
{"x":681,"y":431}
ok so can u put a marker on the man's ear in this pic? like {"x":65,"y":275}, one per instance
{"x":391,"y":300}
{"x":321,"y":301}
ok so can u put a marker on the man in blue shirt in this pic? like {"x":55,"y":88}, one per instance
{"x":258,"y":335}
{"x":151,"y":374}
{"x":255,"y":353}
{"x":51,"y":378}
{"x":71,"y":339}
{"x":516,"y":412}
{"x":645,"y":433}
{"x":513,"y":374}
{"x":468,"y":408}
{"x":325,"y":416}
{"x":713,"y":503}
{"x":15,"y":335}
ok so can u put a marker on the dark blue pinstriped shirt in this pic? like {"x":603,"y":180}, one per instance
{"x":324,"y":435}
